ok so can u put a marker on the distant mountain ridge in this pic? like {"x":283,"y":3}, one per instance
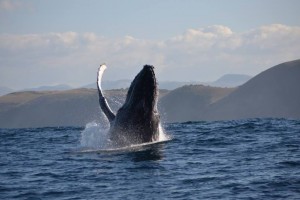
{"x":187,"y":102}
{"x":5,"y":90}
{"x":228,"y":80}
{"x":75,"y":107}
{"x":60,"y":87}
{"x":272,"y":93}
{"x":60,"y":108}
{"x":119,"y":84}
{"x":231,"y":80}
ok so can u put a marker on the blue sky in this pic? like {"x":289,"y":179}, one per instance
{"x":154,"y":19}
{"x":63,"y":42}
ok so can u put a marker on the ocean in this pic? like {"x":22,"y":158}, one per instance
{"x":243,"y":159}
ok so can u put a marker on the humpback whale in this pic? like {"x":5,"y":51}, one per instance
{"x":137,"y":121}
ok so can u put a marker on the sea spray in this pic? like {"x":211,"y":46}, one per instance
{"x":162,"y":135}
{"x":96,"y":137}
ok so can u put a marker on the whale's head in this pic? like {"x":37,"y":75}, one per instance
{"x":143,"y":92}
{"x":137,"y":121}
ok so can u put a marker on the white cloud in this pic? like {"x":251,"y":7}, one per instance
{"x":10,"y":5}
{"x":220,"y":47}
{"x":197,"y":54}
{"x":41,"y":41}
{"x":68,"y":38}
{"x":273,"y":36}
{"x":90,"y":37}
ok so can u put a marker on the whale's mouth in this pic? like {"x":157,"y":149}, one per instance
{"x":143,"y":92}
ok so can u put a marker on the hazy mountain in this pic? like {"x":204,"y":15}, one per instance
{"x":228,"y":80}
{"x":231,"y":80}
{"x":60,"y":87}
{"x":171,"y":85}
{"x":60,"y":108}
{"x":110,"y":85}
{"x":56,"y":108}
{"x":5,"y":90}
{"x":273,"y":93}
{"x":119,"y":84}
{"x":188,"y":102}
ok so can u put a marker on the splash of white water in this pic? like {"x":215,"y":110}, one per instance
{"x":95,"y":137}
{"x":162,"y":135}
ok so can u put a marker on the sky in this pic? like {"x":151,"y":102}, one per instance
{"x":54,"y":42}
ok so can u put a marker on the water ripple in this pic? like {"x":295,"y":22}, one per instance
{"x":241,"y":159}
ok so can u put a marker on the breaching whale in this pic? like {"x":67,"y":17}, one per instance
{"x":137,"y":121}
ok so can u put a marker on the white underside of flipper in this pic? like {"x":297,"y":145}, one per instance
{"x":101,"y":70}
{"x":103,"y":103}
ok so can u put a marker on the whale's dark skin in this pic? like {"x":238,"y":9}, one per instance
{"x":137,"y":121}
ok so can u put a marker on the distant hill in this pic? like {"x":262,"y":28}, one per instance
{"x":231,"y":80}
{"x":188,"y":102}
{"x":60,"y":87}
{"x":272,"y":93}
{"x":5,"y":90}
{"x":60,"y":108}
{"x":56,"y":108}
{"x":119,"y":84}
{"x":110,"y":85}
{"x":228,"y":80}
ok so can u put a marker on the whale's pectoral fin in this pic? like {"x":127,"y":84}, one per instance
{"x":102,"y":101}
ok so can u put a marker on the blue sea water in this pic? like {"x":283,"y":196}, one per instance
{"x":245,"y":159}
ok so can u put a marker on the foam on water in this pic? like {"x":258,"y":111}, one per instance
{"x":94,"y":137}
